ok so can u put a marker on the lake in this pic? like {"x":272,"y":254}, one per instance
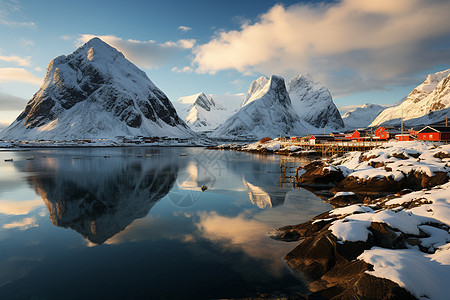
{"x":133,"y":223}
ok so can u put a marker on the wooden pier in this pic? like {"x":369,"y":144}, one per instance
{"x":340,"y":148}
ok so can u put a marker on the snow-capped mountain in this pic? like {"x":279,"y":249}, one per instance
{"x":95,"y":92}
{"x":266,"y":111}
{"x":201,"y":112}
{"x":362,"y":116}
{"x":424,"y":103}
{"x":313,"y":102}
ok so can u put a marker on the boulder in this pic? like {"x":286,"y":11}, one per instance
{"x":344,"y":199}
{"x":320,"y":173}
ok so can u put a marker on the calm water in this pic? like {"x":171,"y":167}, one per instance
{"x":132,"y":223}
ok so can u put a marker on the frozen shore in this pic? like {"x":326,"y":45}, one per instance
{"x":397,"y":245}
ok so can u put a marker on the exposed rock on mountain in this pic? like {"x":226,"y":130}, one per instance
{"x":95,"y":92}
{"x":266,"y":111}
{"x":427,"y":103}
{"x":201,"y":112}
{"x":313,"y":102}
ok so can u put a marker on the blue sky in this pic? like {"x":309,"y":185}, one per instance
{"x":363,"y":51}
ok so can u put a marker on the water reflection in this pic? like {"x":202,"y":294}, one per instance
{"x":100,"y":197}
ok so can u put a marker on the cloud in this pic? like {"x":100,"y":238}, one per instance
{"x":184,"y":28}
{"x":350,"y":45}
{"x":185,"y":69}
{"x":8,"y":11}
{"x":12,"y":207}
{"x":21,"y":61}
{"x":22,"y":225}
{"x":20,"y":75}
{"x":147,"y":54}
{"x":10,"y":102}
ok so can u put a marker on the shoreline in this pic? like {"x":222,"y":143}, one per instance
{"x":362,"y":248}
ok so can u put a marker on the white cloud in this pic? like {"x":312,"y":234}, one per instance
{"x":21,"y":61}
{"x":22,"y":224}
{"x":147,"y":54}
{"x":18,"y":75}
{"x":10,"y":103}
{"x":13,"y":207}
{"x":185,"y":69}
{"x":352,"y":45}
{"x":9,"y":11}
{"x":184,"y":28}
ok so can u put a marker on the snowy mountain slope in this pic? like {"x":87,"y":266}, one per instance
{"x":361,"y":117}
{"x":266,"y":111}
{"x":313,"y":102}
{"x":95,"y":92}
{"x":201,"y":112}
{"x":430,"y":96}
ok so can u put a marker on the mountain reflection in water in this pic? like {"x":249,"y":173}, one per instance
{"x":154,"y":227}
{"x":99,"y":198}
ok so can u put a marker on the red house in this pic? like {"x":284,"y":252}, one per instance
{"x":385,"y":133}
{"x":358,"y":135}
{"x":434,"y":133}
{"x":404,"y":137}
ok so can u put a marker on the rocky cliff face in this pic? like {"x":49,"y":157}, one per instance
{"x":313,"y":102}
{"x":423,"y":105}
{"x":201,"y":112}
{"x":95,"y":92}
{"x":266,"y":111}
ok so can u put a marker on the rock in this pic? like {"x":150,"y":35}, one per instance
{"x":386,"y":185}
{"x":320,"y":173}
{"x":387,"y":237}
{"x":331,"y":266}
{"x":340,"y":200}
{"x":442,"y":155}
{"x":264,"y":140}
{"x":296,"y":232}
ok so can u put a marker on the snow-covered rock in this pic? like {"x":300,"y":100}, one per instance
{"x":95,"y":92}
{"x":313,"y":102}
{"x":201,"y":112}
{"x":363,"y":116}
{"x":432,"y":96}
{"x":266,"y":111}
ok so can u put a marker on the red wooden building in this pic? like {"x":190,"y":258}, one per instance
{"x":386,"y":133}
{"x":359,"y":135}
{"x":434,"y":133}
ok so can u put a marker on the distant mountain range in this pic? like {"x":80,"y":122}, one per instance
{"x":269,"y":108}
{"x":95,"y":92}
{"x":362,"y":116}
{"x":427,"y":103}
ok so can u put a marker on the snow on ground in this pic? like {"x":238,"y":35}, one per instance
{"x":422,"y":270}
{"x":397,"y":159}
{"x":424,"y":275}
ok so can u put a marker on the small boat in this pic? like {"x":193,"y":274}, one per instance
{"x":203,"y":188}
{"x":8,"y":159}
{"x":30,"y":158}
{"x":106,"y":156}
{"x":183,"y":154}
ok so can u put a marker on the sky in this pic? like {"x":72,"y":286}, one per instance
{"x":363,"y":51}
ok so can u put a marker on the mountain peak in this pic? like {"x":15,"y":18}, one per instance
{"x":313,"y":102}
{"x":264,"y":88}
{"x":427,"y":103}
{"x":95,"y":92}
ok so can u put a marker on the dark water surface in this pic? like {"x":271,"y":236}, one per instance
{"x":132,"y":223}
